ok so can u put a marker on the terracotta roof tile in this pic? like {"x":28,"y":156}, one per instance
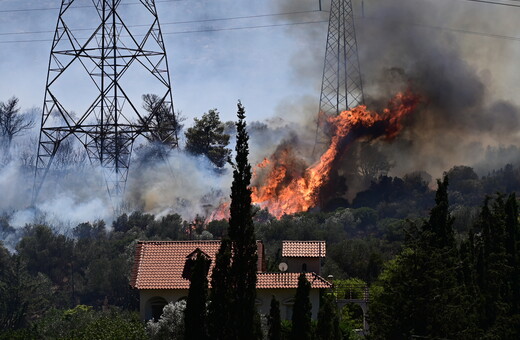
{"x":289,"y":280}
{"x":159,"y":265}
{"x":303,"y":249}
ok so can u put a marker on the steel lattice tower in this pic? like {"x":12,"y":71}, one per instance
{"x":95,"y":81}
{"x":341,"y":87}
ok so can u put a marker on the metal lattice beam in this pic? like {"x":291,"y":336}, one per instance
{"x":341,"y":88}
{"x":112,"y":118}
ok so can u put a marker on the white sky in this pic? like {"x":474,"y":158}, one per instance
{"x":258,"y":66}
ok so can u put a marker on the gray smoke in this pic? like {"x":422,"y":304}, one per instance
{"x":438,"y":50}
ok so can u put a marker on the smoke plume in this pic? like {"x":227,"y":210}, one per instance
{"x":437,"y":50}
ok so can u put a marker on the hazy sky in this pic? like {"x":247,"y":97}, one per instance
{"x":208,"y":69}
{"x":269,"y":53}
{"x":267,"y":68}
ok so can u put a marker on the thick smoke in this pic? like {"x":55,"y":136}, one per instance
{"x":435,"y":49}
{"x":468,"y":115}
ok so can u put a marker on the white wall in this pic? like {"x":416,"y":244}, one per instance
{"x":285,"y":297}
{"x":263,"y":296}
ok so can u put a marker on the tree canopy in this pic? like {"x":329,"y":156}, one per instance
{"x":207,"y":138}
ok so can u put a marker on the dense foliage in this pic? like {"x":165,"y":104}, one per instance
{"x":301,"y":317}
{"x":242,"y":268}
{"x":459,"y":263}
{"x":207,"y":138}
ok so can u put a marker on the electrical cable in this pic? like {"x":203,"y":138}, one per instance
{"x":491,"y":35}
{"x":179,"y":22}
{"x":84,"y":6}
{"x":186,"y":32}
{"x":490,"y":2}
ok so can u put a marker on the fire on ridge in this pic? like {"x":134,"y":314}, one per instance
{"x":289,"y":186}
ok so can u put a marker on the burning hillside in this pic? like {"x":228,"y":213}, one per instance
{"x":285,"y":184}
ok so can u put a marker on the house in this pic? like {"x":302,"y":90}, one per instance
{"x":161,"y":273}
{"x":303,"y":256}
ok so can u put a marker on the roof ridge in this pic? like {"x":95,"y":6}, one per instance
{"x":301,"y":241}
{"x":177,"y":241}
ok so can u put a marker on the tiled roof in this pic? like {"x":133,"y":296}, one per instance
{"x":303,"y":249}
{"x":289,"y":280}
{"x":159,"y":265}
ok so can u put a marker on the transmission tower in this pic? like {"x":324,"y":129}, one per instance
{"x":341,"y":87}
{"x":95,"y":80}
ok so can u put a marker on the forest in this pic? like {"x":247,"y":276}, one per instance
{"x":441,"y":261}
{"x":462,"y":255}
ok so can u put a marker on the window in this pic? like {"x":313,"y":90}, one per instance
{"x":154,"y":308}
{"x":288,"y":303}
{"x":304,"y":267}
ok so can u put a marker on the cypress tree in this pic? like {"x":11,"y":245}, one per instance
{"x":242,"y":236}
{"x":302,"y":309}
{"x":440,"y":224}
{"x":219,"y":309}
{"x":275,"y":321}
{"x":328,"y":321}
{"x":423,"y":288}
{"x":195,"y":313}
{"x":497,"y":272}
{"x":513,"y":230}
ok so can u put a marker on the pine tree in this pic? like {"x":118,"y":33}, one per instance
{"x":195,"y":313}
{"x":302,"y":309}
{"x":219,"y":309}
{"x":242,"y":236}
{"x":275,"y":321}
{"x":207,"y":138}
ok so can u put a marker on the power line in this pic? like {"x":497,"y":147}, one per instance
{"x":180,"y":22}
{"x":489,"y":35}
{"x":16,"y":10}
{"x":187,"y":32}
{"x":457,"y":30}
{"x":489,"y":2}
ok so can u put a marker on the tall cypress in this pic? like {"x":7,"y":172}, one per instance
{"x":328,"y":320}
{"x":302,"y":309}
{"x":275,"y":321}
{"x":195,"y":313}
{"x":513,"y":230}
{"x":219,"y":310}
{"x":440,"y":223}
{"x":242,"y":236}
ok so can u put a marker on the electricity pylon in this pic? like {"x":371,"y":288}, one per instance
{"x":341,"y":87}
{"x":95,"y":80}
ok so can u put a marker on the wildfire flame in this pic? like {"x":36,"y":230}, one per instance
{"x":287,"y":186}
{"x":285,"y":192}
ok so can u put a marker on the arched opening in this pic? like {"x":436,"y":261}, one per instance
{"x":154,"y":308}
{"x":352,"y":314}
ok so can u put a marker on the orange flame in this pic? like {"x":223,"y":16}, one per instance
{"x":288,"y":187}
{"x":286,"y":192}
{"x":220,"y":213}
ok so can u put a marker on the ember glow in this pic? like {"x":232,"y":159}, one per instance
{"x":286,"y":189}
{"x":285,"y":184}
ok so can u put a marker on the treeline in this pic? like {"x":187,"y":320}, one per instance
{"x":448,"y":286}
{"x":453,"y":276}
